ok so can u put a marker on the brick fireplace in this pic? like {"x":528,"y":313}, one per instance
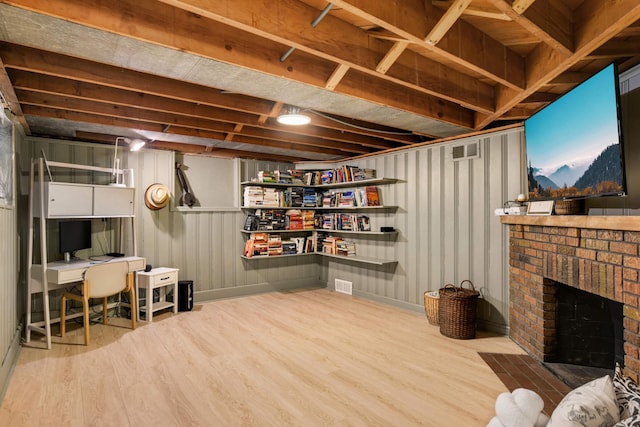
{"x":596,"y":254}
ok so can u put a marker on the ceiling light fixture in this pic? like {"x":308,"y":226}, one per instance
{"x":293,"y":117}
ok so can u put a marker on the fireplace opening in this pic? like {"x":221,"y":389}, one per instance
{"x":586,"y":328}
{"x":588,"y":336}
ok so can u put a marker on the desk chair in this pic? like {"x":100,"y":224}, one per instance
{"x":101,"y":281}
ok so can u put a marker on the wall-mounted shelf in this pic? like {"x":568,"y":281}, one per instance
{"x":361,"y":233}
{"x":360,"y":183}
{"x":356,"y":259}
{"x":321,"y":210}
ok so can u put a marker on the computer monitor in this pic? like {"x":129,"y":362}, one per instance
{"x":74,"y":236}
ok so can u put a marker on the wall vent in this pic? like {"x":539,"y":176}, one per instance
{"x":343,"y":286}
{"x":465,"y":152}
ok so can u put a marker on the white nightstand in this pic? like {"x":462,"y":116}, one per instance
{"x":163,"y":278}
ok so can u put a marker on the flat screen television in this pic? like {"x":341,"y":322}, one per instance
{"x":574,"y":144}
{"x":74,"y":236}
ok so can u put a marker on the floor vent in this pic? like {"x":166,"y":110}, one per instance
{"x":343,"y":286}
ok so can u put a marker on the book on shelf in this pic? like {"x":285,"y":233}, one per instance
{"x":372,"y":196}
{"x":250,"y":223}
{"x":346,"y":248}
{"x":364,"y":224}
{"x":248,"y":248}
{"x":267,"y":176}
{"x":330,"y":244}
{"x":260,"y":244}
{"x":294,"y":220}
{"x":309,"y":198}
{"x":296,"y":176}
{"x":283,"y":177}
{"x":289,"y":247}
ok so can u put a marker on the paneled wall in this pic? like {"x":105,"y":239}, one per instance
{"x":445,"y":219}
{"x":447,"y":228}
{"x":206,"y":245}
{"x":10,"y":311}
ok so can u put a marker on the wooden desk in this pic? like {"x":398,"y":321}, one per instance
{"x":60,"y":275}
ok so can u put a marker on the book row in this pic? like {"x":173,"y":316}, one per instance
{"x":301,"y":197}
{"x":294,"y":219}
{"x":265,"y":244}
{"x":329,"y":176}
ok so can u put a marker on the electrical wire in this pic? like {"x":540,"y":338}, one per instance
{"x":104,"y":236}
{"x":388,"y":132}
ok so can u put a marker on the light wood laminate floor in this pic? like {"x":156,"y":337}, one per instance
{"x":303,"y":358}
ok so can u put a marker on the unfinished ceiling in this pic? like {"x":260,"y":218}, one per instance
{"x":210,"y":77}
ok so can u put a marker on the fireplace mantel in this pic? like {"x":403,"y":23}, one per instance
{"x":623,"y":223}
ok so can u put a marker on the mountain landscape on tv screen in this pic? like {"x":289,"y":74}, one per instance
{"x":600,"y":176}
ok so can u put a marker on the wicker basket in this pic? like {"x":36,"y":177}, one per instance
{"x":458,"y":310}
{"x":431,"y":306}
{"x":569,"y":207}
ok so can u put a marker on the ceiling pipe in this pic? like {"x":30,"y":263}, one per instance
{"x":314,"y":24}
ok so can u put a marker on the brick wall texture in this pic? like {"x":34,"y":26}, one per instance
{"x":602,"y":262}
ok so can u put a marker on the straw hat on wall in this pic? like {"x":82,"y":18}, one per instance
{"x":157,"y":196}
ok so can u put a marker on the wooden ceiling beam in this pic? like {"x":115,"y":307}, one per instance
{"x":473,"y":10}
{"x":142,"y":88}
{"x":595,"y":23}
{"x":28,"y":82}
{"x":463,"y":44}
{"x":455,"y":11}
{"x":42,"y":62}
{"x":547,"y":20}
{"x":227,"y":41}
{"x":216,"y":130}
{"x":9,"y":96}
{"x":206,"y":150}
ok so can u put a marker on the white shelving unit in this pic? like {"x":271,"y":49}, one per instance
{"x":57,"y":200}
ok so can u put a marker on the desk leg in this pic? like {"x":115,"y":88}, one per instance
{"x":175,"y":297}
{"x":149,"y":302}
{"x":47,"y":317}
{"x":137,"y":313}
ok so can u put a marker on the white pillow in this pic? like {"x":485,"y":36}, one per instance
{"x":591,"y":405}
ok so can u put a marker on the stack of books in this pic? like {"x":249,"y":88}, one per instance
{"x":257,"y":245}
{"x":267,"y":176}
{"x":346,"y":199}
{"x":253,"y":195}
{"x":295,"y":197}
{"x":296,"y":176}
{"x":294,"y":220}
{"x":330,"y":244}
{"x":271,"y":197}
{"x":283,"y":177}
{"x":346,"y":248}
{"x":309,"y":198}
{"x":271,"y":219}
{"x":274,"y":242}
{"x":308,"y":222}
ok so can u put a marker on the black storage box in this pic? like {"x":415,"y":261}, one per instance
{"x":185,"y":295}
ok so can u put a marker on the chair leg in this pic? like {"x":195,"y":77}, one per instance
{"x":134,"y":306}
{"x":85,"y":315}
{"x":105,"y":309}
{"x":63,"y":314}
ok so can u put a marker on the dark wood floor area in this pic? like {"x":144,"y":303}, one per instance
{"x":523,"y":371}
